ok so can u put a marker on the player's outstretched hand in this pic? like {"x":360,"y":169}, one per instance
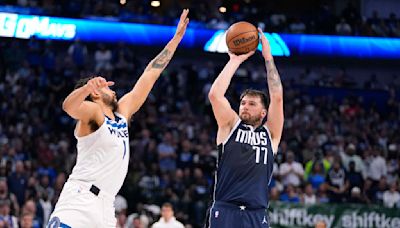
{"x":183,"y":22}
{"x":266,"y":48}
{"x":240,"y":58}
{"x":94,"y":84}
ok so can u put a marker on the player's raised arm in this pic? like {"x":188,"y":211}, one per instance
{"x":223,"y":112}
{"x":132,"y":101}
{"x":275,"y":110}
{"x":75,"y":104}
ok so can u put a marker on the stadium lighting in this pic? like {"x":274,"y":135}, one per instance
{"x":222,"y":9}
{"x":155,"y":3}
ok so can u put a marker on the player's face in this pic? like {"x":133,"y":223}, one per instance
{"x":251,"y":110}
{"x":109,"y":98}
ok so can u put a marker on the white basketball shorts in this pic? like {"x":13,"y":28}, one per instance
{"x":78,"y":207}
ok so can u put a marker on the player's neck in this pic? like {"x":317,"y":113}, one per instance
{"x":255,"y":125}
{"x":107,"y":111}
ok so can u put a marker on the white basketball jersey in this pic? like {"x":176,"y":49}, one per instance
{"x":103,"y":156}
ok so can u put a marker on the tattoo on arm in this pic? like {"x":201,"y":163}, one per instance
{"x":274,"y":80}
{"x":161,"y":60}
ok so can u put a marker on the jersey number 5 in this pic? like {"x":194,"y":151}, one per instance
{"x":258,"y":152}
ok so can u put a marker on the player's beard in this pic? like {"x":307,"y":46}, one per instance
{"x":249,"y":119}
{"x":110,"y":101}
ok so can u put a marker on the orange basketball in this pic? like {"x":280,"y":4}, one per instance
{"x":242,"y":37}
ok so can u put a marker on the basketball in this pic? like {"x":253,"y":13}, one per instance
{"x":241,"y":38}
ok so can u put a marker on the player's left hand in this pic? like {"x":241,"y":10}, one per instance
{"x":183,"y":22}
{"x":240,"y":58}
{"x":266,"y":48}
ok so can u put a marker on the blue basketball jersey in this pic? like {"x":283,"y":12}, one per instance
{"x":244,"y":168}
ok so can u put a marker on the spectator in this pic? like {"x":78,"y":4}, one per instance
{"x":5,"y":215}
{"x":380,"y":28}
{"x":337,"y":183}
{"x":121,"y":219}
{"x":17,"y":182}
{"x":120,"y":204}
{"x":317,"y":176}
{"x":350,"y":156}
{"x":379,"y":190}
{"x":45,"y":205}
{"x":103,"y":57}
{"x":343,"y":28}
{"x":166,"y":153}
{"x":355,"y":196}
{"x":309,"y":197}
{"x":274,"y":195}
{"x":297,"y":26}
{"x":30,"y":208}
{"x":393,"y":166}
{"x":318,"y":159}
{"x":290,"y":195}
{"x":6,"y":195}
{"x":322,"y":194}
{"x":167,"y":219}
{"x":185,"y":154}
{"x":27,"y":221}
{"x":377,"y":166}
{"x":78,"y":52}
{"x":391,"y":197}
{"x":291,"y":171}
{"x":354,"y":178}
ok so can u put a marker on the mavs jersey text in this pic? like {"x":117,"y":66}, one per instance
{"x":243,"y":173}
{"x":102,"y":164}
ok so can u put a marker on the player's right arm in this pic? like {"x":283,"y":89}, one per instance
{"x":224,"y":114}
{"x":79,"y":109}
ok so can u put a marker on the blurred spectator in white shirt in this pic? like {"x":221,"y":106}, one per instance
{"x":103,"y":58}
{"x":167,"y":219}
{"x":377,"y":166}
{"x":291,"y":171}
{"x":309,"y":197}
{"x":350,"y":155}
{"x":343,"y":28}
{"x":391,"y":197}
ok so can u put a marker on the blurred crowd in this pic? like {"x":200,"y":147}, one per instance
{"x":322,"y":18}
{"x":331,"y":150}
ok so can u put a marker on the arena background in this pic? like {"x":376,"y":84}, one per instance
{"x":339,"y":63}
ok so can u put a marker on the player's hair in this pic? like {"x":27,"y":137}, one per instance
{"x":81,"y":82}
{"x":256,"y":93}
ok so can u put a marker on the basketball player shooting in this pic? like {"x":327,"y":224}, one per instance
{"x":87,"y":198}
{"x":246,"y":146}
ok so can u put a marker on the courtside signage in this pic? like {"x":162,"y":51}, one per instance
{"x":43,"y":27}
{"x":24,"y":27}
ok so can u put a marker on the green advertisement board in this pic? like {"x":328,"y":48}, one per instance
{"x":333,"y":215}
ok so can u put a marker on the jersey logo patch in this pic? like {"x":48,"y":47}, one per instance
{"x":216,"y":214}
{"x":54,"y":223}
{"x":264,"y":221}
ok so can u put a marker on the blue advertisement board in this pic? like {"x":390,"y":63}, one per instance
{"x":43,"y":27}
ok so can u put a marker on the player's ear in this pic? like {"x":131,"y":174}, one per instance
{"x":264,"y":113}
{"x":94,"y":95}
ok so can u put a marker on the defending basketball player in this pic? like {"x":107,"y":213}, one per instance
{"x":88,"y":196}
{"x":246,"y":146}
